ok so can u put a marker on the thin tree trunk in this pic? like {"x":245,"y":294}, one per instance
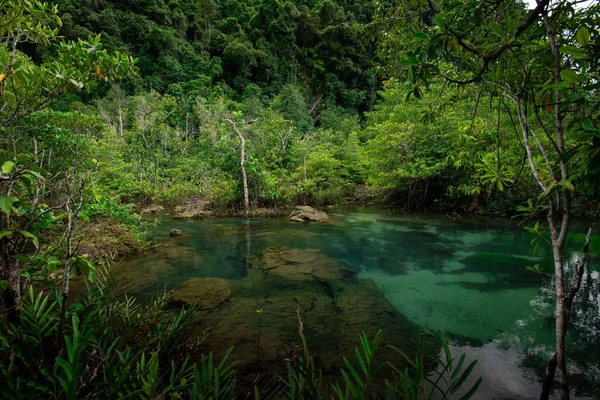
{"x":121,"y":124}
{"x":242,"y":161}
{"x":560,"y":314}
{"x":244,"y":177}
{"x":559,"y":238}
{"x":72,"y":215}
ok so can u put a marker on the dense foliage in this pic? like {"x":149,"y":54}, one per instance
{"x":455,"y":105}
{"x":200,"y":48}
{"x":307,"y":73}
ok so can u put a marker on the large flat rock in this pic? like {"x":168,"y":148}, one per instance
{"x":303,"y":265}
{"x":206,"y":293}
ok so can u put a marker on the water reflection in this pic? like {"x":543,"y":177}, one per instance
{"x":535,"y":331}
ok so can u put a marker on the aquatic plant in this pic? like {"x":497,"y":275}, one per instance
{"x":357,"y":386}
{"x":428,"y":375}
{"x":444,"y":381}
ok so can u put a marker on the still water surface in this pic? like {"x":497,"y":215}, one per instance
{"x":464,"y":277}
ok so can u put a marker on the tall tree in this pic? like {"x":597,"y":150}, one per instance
{"x":544,"y":63}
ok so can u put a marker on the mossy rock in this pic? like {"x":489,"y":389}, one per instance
{"x":207,"y":293}
{"x":107,"y":238}
{"x":306,"y":214}
{"x":303,"y":265}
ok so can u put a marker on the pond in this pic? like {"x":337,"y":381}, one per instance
{"x":411,"y":275}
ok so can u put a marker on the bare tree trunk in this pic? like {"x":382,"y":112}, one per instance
{"x":244,"y":177}
{"x":121,"y":123}
{"x":243,"y":159}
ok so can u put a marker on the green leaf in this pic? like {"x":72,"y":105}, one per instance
{"x":570,"y":76}
{"x":7,"y":166}
{"x":31,"y":236}
{"x":5,"y":233}
{"x":421,"y":36}
{"x":409,"y":75}
{"x":409,"y":61}
{"x":6,"y":203}
{"x":571,"y":50}
{"x":496,"y":28}
{"x":567,"y":185}
{"x":417,"y":93}
{"x":472,"y":391}
{"x":457,"y":384}
{"x":458,"y":367}
{"x":583,"y":36}
{"x":85,"y":262}
{"x":96,"y":194}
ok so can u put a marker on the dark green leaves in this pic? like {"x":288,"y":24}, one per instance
{"x":496,"y":29}
{"x":421,"y":36}
{"x":6,"y":203}
{"x":583,"y":36}
{"x":571,"y":76}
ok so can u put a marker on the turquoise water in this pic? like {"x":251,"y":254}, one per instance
{"x":464,"y":277}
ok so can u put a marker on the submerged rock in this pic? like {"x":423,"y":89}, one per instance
{"x":154,"y":268}
{"x":333,"y":320}
{"x":175,"y":232}
{"x":306,"y":214}
{"x":334,"y":305}
{"x":207,"y":293}
{"x":303,"y":265}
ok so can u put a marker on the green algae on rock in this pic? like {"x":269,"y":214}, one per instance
{"x":306,"y":214}
{"x":303,"y":265}
{"x":206,"y":293}
{"x":193,"y":208}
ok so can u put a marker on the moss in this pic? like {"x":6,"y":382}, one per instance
{"x":107,"y":238}
{"x":206,"y":293}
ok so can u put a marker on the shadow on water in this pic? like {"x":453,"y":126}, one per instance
{"x":409,"y":275}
